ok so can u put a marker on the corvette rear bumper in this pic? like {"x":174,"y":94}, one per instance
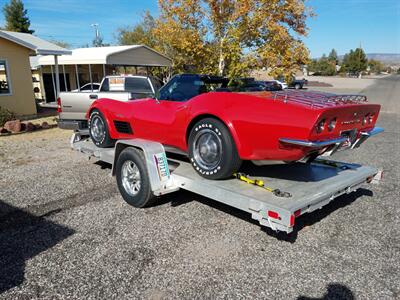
{"x":337,"y":143}
{"x":315,"y":144}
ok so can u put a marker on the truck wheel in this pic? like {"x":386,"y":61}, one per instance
{"x":212,"y":150}
{"x":297,"y":86}
{"x":98,"y":130}
{"x":132,"y":178}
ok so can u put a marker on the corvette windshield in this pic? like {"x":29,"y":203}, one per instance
{"x":185,"y":87}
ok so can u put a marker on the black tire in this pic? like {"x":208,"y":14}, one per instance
{"x":298,"y":86}
{"x":218,"y":158}
{"x":143,"y":196}
{"x":98,"y":130}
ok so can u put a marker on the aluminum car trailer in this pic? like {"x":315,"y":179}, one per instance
{"x":303,"y":187}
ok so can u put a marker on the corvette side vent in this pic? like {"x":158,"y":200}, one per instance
{"x":123,"y":127}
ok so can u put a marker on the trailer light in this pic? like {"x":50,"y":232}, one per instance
{"x":332,"y":124}
{"x":273,"y":215}
{"x":293,"y":217}
{"x":321,"y":126}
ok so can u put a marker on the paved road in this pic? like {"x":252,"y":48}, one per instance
{"x":65,"y":232}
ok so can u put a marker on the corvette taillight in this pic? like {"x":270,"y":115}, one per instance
{"x":371,"y":118}
{"x":332,"y":124}
{"x":321,"y":126}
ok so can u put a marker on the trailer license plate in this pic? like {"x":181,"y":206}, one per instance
{"x":162,"y":166}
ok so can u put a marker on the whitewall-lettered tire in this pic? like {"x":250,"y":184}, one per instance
{"x":212,"y":150}
{"x":98,"y":130}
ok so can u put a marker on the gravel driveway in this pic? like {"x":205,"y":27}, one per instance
{"x":66,"y":233}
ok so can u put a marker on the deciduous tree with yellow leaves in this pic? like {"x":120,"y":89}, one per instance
{"x":231,"y":37}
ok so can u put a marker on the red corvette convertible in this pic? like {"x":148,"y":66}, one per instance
{"x":198,"y":115}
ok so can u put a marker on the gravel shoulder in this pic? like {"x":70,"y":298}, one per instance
{"x":65,"y":233}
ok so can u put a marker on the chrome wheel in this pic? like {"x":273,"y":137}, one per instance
{"x":131,"y":178}
{"x":207,"y":149}
{"x":97,"y":128}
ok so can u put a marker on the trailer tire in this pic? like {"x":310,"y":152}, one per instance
{"x":98,"y":130}
{"x":212,"y":150}
{"x":133,"y":179}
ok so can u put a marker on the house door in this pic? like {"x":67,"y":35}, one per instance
{"x":49,"y":88}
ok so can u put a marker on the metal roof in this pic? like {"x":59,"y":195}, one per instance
{"x":133,"y":55}
{"x":37,"y":45}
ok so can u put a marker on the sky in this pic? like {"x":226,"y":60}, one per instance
{"x":339,"y":24}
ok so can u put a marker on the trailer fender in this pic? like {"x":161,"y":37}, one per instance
{"x":156,"y":162}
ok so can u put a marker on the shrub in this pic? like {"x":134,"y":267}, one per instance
{"x":5,"y":115}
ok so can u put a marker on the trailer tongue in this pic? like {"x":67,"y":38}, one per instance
{"x":310,"y":185}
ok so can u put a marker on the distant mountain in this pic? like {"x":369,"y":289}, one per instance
{"x":386,"y":58}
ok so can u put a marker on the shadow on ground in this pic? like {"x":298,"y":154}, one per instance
{"x":334,"y":291}
{"x":23,"y":236}
{"x":308,"y":219}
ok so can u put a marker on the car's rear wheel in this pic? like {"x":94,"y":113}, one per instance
{"x":212,"y":150}
{"x":297,"y":86}
{"x":98,"y":130}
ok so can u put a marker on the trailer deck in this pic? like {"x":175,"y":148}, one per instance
{"x":311,"y":185}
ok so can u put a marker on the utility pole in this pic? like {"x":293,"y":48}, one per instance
{"x":97,"y":34}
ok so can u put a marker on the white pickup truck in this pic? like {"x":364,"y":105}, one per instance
{"x":72,"y":106}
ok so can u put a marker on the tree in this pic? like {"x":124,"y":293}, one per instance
{"x":323,"y":66}
{"x":62,"y":44}
{"x":231,"y":37}
{"x":16,"y":17}
{"x":141,"y":33}
{"x":333,"y":57}
{"x":376,"y":66}
{"x":355,"y":61}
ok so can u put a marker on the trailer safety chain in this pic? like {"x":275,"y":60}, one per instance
{"x":260,"y":183}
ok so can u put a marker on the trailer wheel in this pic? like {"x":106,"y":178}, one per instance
{"x":212,"y":150}
{"x":133,"y":179}
{"x":98,"y":130}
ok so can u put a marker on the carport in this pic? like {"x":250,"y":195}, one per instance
{"x":89,"y":65}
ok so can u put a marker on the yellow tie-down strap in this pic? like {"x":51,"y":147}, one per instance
{"x":260,"y":183}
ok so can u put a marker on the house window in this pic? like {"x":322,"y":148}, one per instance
{"x":5,"y":84}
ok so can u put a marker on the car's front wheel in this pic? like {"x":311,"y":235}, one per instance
{"x":98,"y":130}
{"x":212,"y":150}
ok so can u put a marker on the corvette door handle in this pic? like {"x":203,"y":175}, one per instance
{"x":93,"y":96}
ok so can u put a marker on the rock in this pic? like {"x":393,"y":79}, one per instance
{"x":30,"y":126}
{"x":45,"y":125}
{"x":3,"y":130}
{"x":13,"y":126}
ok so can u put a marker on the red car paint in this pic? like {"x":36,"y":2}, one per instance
{"x":255,"y":120}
